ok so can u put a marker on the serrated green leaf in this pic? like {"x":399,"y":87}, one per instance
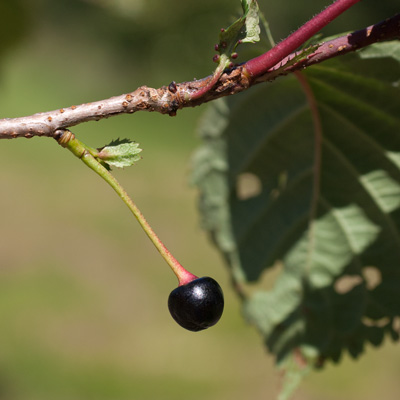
{"x":252,"y":21}
{"x":323,"y":239}
{"x":246,"y":29}
{"x":120,"y":153}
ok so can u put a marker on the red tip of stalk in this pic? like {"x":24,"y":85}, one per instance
{"x":185,"y":277}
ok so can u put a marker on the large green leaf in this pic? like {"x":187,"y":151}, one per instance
{"x":328,"y":233}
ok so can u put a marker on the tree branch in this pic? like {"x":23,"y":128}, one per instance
{"x":259,"y":65}
{"x":386,"y":30}
{"x":169,"y":99}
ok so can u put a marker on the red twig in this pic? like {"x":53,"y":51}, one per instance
{"x":261,"y":64}
{"x":210,"y":84}
{"x":388,"y":29}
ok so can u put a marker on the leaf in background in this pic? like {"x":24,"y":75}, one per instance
{"x":13,"y":13}
{"x":120,"y":153}
{"x":339,"y":246}
{"x":386,"y":49}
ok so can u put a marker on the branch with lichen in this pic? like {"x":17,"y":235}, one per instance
{"x":169,"y":99}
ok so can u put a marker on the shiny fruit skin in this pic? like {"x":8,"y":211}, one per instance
{"x":197,"y":305}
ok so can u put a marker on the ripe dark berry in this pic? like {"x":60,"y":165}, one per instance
{"x":197,"y":305}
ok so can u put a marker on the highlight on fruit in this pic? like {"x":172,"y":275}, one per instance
{"x":197,"y":305}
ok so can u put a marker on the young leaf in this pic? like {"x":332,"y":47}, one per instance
{"x":251,"y":31}
{"x":246,"y":29}
{"x":330,"y":224}
{"x":120,"y":153}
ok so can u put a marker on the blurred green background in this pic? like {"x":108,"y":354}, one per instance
{"x":82,"y":291}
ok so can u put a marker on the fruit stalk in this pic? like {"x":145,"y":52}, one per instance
{"x":86,"y":154}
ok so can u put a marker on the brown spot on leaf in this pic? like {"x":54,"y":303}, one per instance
{"x":372,"y":276}
{"x":248,"y":185}
{"x":346,"y":283}
{"x":380,"y":323}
